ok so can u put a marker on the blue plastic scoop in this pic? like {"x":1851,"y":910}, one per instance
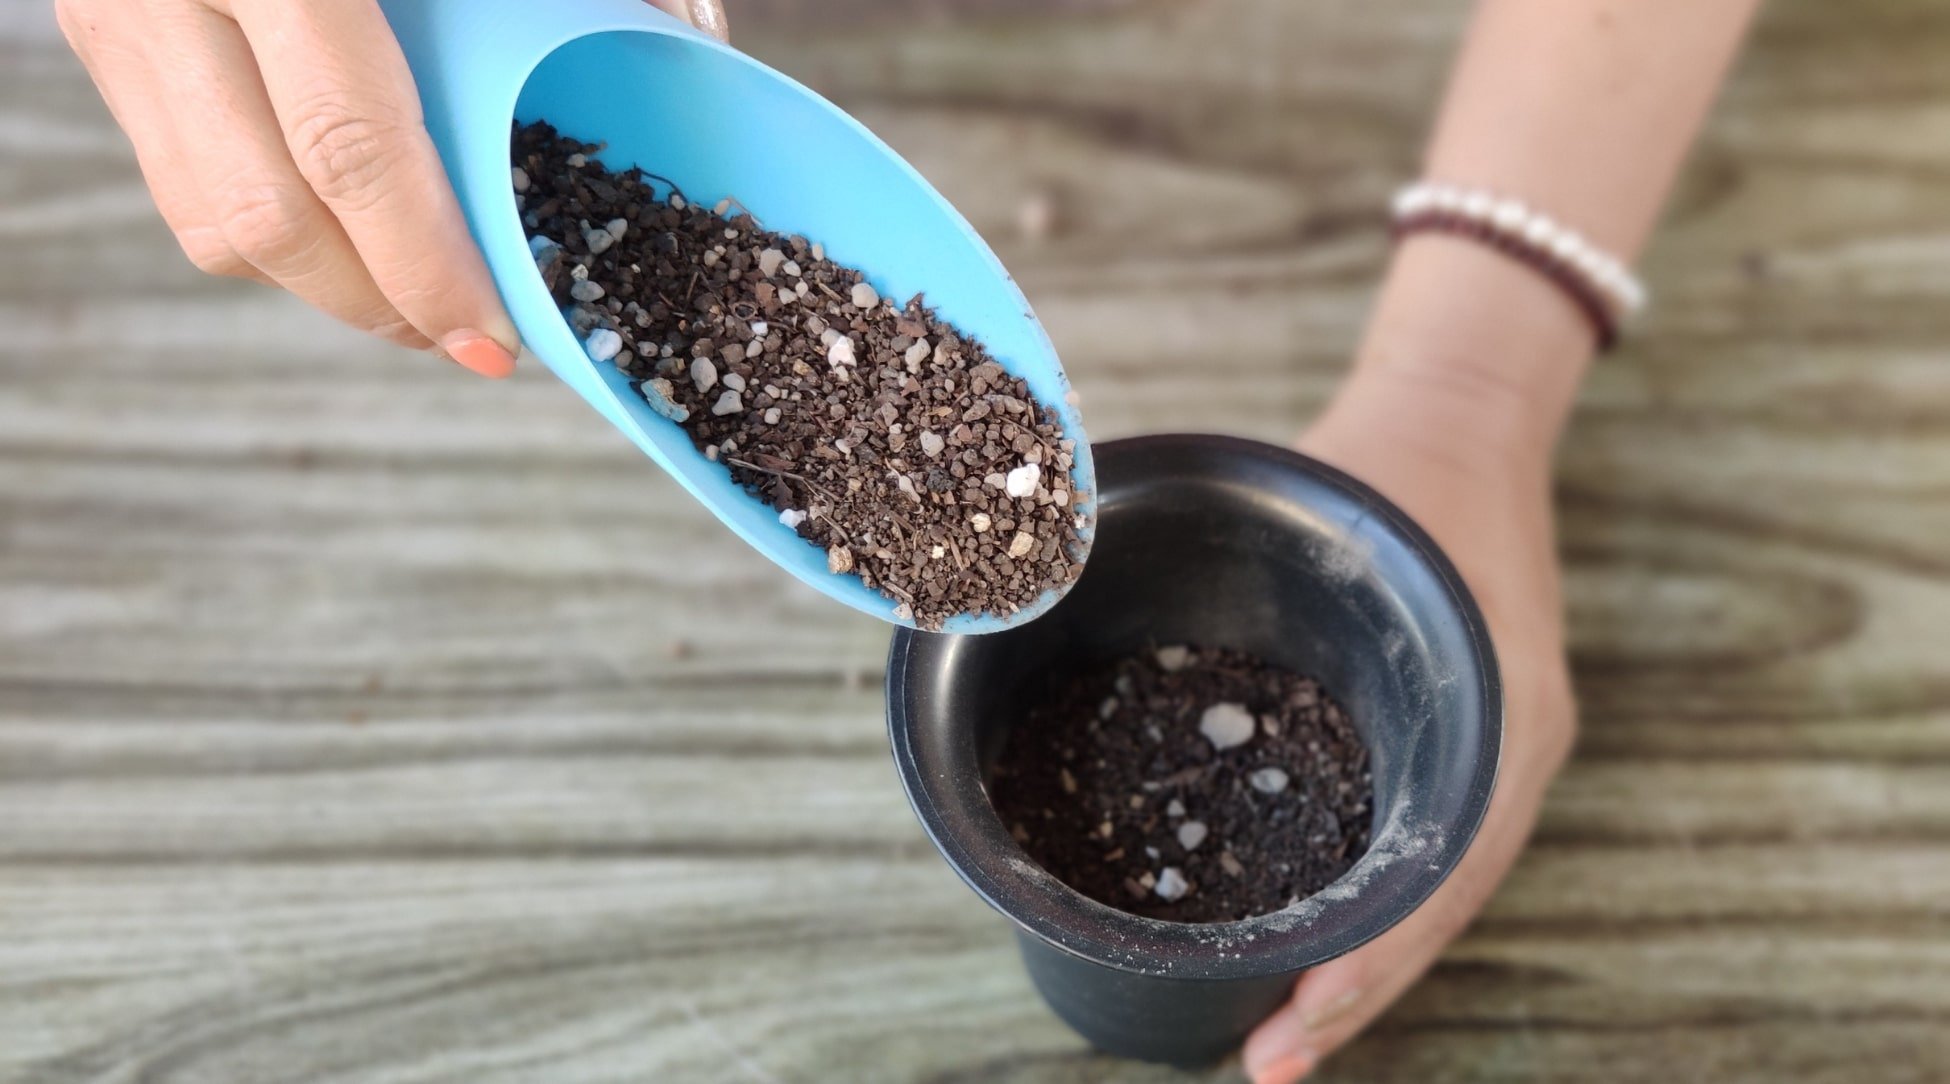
{"x":717,"y":124}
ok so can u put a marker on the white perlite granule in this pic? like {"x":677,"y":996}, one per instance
{"x":1269,"y":780}
{"x":1227,"y":725}
{"x":602,"y":344}
{"x":1022,"y":481}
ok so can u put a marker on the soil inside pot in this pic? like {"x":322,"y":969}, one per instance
{"x":1192,"y":784}
{"x":881,"y":433}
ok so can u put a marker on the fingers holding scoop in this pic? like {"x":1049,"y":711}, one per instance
{"x":112,"y":51}
{"x":348,"y":116}
{"x":283,"y":142}
{"x":267,"y":213}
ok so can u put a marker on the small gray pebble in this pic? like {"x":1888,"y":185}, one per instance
{"x":728,"y":403}
{"x":520,"y":177}
{"x":587,"y":290}
{"x":599,"y":241}
{"x":865,"y":296}
{"x":704,"y":373}
{"x":1269,"y":780}
{"x":585,"y":319}
{"x":734,"y":382}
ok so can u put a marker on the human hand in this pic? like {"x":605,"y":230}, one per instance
{"x":1468,"y":457}
{"x":283,"y":142}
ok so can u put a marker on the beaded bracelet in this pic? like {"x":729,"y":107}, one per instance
{"x":1595,"y":281}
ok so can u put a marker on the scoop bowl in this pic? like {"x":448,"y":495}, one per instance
{"x":717,"y":124}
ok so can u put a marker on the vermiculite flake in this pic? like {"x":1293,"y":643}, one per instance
{"x":894,"y":442}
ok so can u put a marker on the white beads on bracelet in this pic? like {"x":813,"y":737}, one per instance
{"x":1600,"y":271}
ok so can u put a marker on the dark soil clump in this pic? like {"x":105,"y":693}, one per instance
{"x":882,"y":435}
{"x":1188,"y":784}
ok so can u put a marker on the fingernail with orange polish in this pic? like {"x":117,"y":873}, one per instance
{"x":479,"y":353}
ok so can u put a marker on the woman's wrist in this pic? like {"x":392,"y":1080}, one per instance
{"x":1471,"y":345}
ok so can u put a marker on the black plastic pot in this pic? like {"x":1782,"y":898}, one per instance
{"x":1217,"y":541}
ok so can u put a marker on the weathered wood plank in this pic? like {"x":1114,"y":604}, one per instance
{"x":863,"y":967}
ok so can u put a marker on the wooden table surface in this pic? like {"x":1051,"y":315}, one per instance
{"x":363,"y":721}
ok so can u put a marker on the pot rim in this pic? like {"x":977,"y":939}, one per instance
{"x":1328,"y":924}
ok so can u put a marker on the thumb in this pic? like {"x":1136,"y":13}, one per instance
{"x":1331,"y":1004}
{"x":1338,"y":999}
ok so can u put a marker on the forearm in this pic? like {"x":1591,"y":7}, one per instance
{"x":1583,"y":109}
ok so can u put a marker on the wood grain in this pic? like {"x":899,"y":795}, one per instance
{"x":360,"y":721}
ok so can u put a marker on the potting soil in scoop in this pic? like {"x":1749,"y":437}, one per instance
{"x":1188,"y":784}
{"x":880,"y":433}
